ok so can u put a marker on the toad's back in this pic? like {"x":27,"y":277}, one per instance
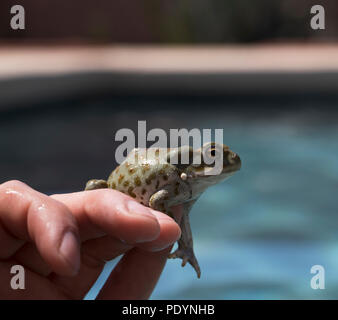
{"x":140,"y":176}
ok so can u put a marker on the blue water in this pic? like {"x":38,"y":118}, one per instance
{"x":258,"y":234}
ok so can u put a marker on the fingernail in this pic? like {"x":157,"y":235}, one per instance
{"x":161,"y":216}
{"x":70,"y":250}
{"x":160,"y":248}
{"x":137,"y":208}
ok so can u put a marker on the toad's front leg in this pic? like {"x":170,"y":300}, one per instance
{"x":160,"y":201}
{"x":96,"y":184}
{"x":185,"y":249}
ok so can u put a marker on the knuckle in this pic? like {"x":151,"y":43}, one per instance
{"x":13,"y":184}
{"x":65,"y":212}
{"x":12,"y":190}
{"x":97,"y":200}
{"x":51,"y":214}
{"x":52,"y":206}
{"x":102,"y":195}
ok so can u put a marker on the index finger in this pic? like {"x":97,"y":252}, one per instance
{"x":107,"y":211}
{"x":137,"y":273}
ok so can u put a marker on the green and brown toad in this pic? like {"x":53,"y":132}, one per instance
{"x":149,"y":176}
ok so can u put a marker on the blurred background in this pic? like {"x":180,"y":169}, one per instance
{"x":160,"y":21}
{"x":81,"y":70}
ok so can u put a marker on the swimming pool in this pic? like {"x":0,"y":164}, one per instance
{"x":256,"y":235}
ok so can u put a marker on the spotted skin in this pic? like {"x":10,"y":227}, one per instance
{"x":152,"y":179}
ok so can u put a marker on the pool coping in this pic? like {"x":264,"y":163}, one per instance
{"x":35,"y":74}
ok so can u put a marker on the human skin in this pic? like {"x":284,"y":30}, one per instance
{"x":63,"y":241}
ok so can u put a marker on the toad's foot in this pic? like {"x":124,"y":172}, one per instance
{"x":187,"y":255}
{"x":96,"y":184}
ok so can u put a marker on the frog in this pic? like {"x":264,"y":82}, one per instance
{"x":151,"y":177}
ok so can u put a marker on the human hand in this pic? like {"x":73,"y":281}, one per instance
{"x":63,"y":241}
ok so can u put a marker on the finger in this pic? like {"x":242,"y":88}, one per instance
{"x":100,"y":249}
{"x":94,"y":255}
{"x":135,"y":276}
{"x":32,"y":216}
{"x":96,"y":252}
{"x":107,"y":211}
{"x":108,"y":247}
{"x":137,"y":273}
{"x":170,"y":232}
{"x":9,"y":243}
{"x":29,"y":256}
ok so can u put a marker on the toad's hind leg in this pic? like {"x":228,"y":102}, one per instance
{"x":185,"y":249}
{"x":96,"y":184}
